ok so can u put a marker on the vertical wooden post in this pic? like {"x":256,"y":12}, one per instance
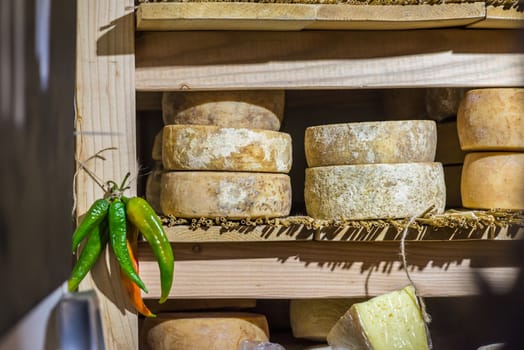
{"x":105,"y":105}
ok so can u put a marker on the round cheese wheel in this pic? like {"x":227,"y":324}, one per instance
{"x":371,"y":142}
{"x":205,"y":147}
{"x":156,"y":153}
{"x":374,"y":191}
{"x":313,"y":318}
{"x":236,"y":109}
{"x":205,"y":331}
{"x":153,"y":187}
{"x":234,"y":195}
{"x":492,"y":120}
{"x":493,"y":180}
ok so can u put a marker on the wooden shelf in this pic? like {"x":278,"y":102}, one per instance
{"x":226,"y":60}
{"x":265,"y":270}
{"x":287,"y":17}
{"x":498,"y":17}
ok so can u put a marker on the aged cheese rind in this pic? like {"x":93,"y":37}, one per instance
{"x":156,"y":152}
{"x":204,"y":147}
{"x":493,"y":180}
{"x":313,"y":318}
{"x":371,"y":142}
{"x":492,"y":120}
{"x":209,"y":331}
{"x":153,"y":187}
{"x":392,"y":321}
{"x":374,"y":191}
{"x":236,"y":109}
{"x":235,"y":195}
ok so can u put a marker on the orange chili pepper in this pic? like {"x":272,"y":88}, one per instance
{"x":133,"y":291}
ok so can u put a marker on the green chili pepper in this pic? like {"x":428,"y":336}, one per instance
{"x":96,"y":213}
{"x":95,"y":245}
{"x":117,"y":233}
{"x":140,"y":214}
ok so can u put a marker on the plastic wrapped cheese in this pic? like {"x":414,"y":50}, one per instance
{"x":371,"y":142}
{"x":392,"y":321}
{"x":262,"y":109}
{"x":205,"y":147}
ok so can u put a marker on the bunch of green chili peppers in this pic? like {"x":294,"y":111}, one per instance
{"x":106,"y":221}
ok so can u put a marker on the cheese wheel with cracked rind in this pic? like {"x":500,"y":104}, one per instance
{"x":313,"y":318}
{"x":262,"y":109}
{"x":156,"y":152}
{"x":233,"y":195}
{"x":374,"y":191}
{"x":492,"y":120}
{"x":190,"y":331}
{"x":371,"y":142}
{"x":153,"y":187}
{"x":493,"y":180}
{"x":204,"y":147}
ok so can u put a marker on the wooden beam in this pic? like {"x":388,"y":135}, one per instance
{"x":168,"y":61}
{"x":286,"y":17}
{"x":499,"y":17}
{"x":329,"y":269}
{"x":105,"y":101}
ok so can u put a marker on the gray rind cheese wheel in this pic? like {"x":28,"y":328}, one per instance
{"x":153,"y":187}
{"x":190,"y":331}
{"x":234,"y":195}
{"x":374,"y":191}
{"x":493,"y":180}
{"x":156,"y":152}
{"x":492,"y":120}
{"x":262,"y":109}
{"x":443,"y":103}
{"x":371,"y":142}
{"x":204,"y":147}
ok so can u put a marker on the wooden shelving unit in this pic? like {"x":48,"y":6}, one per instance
{"x":342,"y":49}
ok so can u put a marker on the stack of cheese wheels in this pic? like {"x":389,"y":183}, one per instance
{"x":223,"y":156}
{"x":203,"y":331}
{"x":373,"y":170}
{"x":490,"y":125}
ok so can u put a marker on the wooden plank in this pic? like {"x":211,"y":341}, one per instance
{"x":105,"y":102}
{"x":321,"y":59}
{"x":388,"y":17}
{"x":329,"y":269}
{"x":242,"y":233}
{"x":286,"y":17}
{"x":223,"y":16}
{"x":499,"y":17}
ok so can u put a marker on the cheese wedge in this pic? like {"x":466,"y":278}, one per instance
{"x":374,"y":191}
{"x":204,"y":147}
{"x":203,"y":331}
{"x":493,"y":180}
{"x":371,"y":142}
{"x":234,"y":195}
{"x":391,"y":321}
{"x":492,"y":120}
{"x":262,"y":109}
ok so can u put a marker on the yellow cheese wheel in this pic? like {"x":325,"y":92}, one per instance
{"x":156,"y":153}
{"x":371,"y":142}
{"x":202,"y":331}
{"x":235,"y":195}
{"x":205,"y":147}
{"x":153,"y":187}
{"x":313,"y":318}
{"x":493,"y":180}
{"x":374,"y":191}
{"x":236,"y":109}
{"x":492,"y":120}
